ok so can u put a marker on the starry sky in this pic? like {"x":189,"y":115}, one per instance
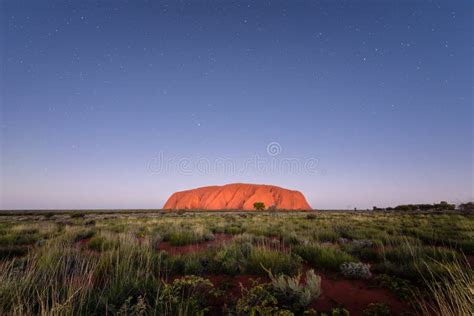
{"x":118,"y":104}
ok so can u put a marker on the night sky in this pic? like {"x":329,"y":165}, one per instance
{"x":377,"y":95}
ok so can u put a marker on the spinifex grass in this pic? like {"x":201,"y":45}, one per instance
{"x":112,"y":264}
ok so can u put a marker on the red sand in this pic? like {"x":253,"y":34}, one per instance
{"x":83,"y":241}
{"x":354,"y":295}
{"x":237,"y":196}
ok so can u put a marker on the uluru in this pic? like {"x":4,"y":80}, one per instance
{"x":237,"y":196}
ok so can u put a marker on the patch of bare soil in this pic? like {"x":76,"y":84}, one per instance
{"x":83,"y":242}
{"x":355,"y":296}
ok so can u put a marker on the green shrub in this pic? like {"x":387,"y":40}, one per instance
{"x":291,"y":293}
{"x":232,"y":258}
{"x":130,"y":308}
{"x":233,"y":230}
{"x":377,"y":309}
{"x":338,"y":311}
{"x":48,"y":215}
{"x":400,"y":287}
{"x":326,"y":236}
{"x":291,"y":239}
{"x":18,"y":239}
{"x":258,"y":300}
{"x":180,"y":238}
{"x":320,"y":257}
{"x":186,"y":296}
{"x":12,"y":251}
{"x":262,"y":258}
{"x":259,"y":206}
{"x":366,"y":254}
{"x":99,"y":243}
{"x":83,"y":235}
{"x":185,"y":237}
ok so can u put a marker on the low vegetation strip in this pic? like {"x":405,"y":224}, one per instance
{"x":236,"y":264}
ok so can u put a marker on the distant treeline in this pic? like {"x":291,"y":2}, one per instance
{"x":442,"y":206}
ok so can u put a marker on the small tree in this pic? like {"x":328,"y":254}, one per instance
{"x":467,"y":207}
{"x":259,"y":206}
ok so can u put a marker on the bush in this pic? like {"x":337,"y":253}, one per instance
{"x":181,"y":238}
{"x":292,"y":294}
{"x":326,"y":235}
{"x":259,"y":206}
{"x":320,"y":257}
{"x":13,"y":251}
{"x":367,"y":254}
{"x":408,"y":270}
{"x":82,"y":235}
{"x":136,"y":309}
{"x":466,"y":207}
{"x":356,"y":270}
{"x":362,"y":243}
{"x":191,"y":263}
{"x":283,"y":295}
{"x":377,"y":309}
{"x":258,"y":300}
{"x":232,"y":259}
{"x":400,"y":287}
{"x":48,"y":215}
{"x":186,"y":296}
{"x":18,"y":239}
{"x":338,"y":311}
{"x":99,"y":243}
{"x":233,"y":230}
{"x":262,"y":258}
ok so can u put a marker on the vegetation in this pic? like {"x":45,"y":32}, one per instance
{"x":259,"y":206}
{"x":292,"y":293}
{"x":242,"y":263}
{"x":467,"y":207}
{"x":442,"y":206}
{"x":356,"y":270}
{"x":323,"y":257}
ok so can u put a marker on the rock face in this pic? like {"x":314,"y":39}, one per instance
{"x":237,"y":196}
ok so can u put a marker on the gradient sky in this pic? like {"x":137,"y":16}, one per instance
{"x":95,"y":93}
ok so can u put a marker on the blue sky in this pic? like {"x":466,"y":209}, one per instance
{"x":93,"y":94}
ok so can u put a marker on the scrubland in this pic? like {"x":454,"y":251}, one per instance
{"x":242,"y":263}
